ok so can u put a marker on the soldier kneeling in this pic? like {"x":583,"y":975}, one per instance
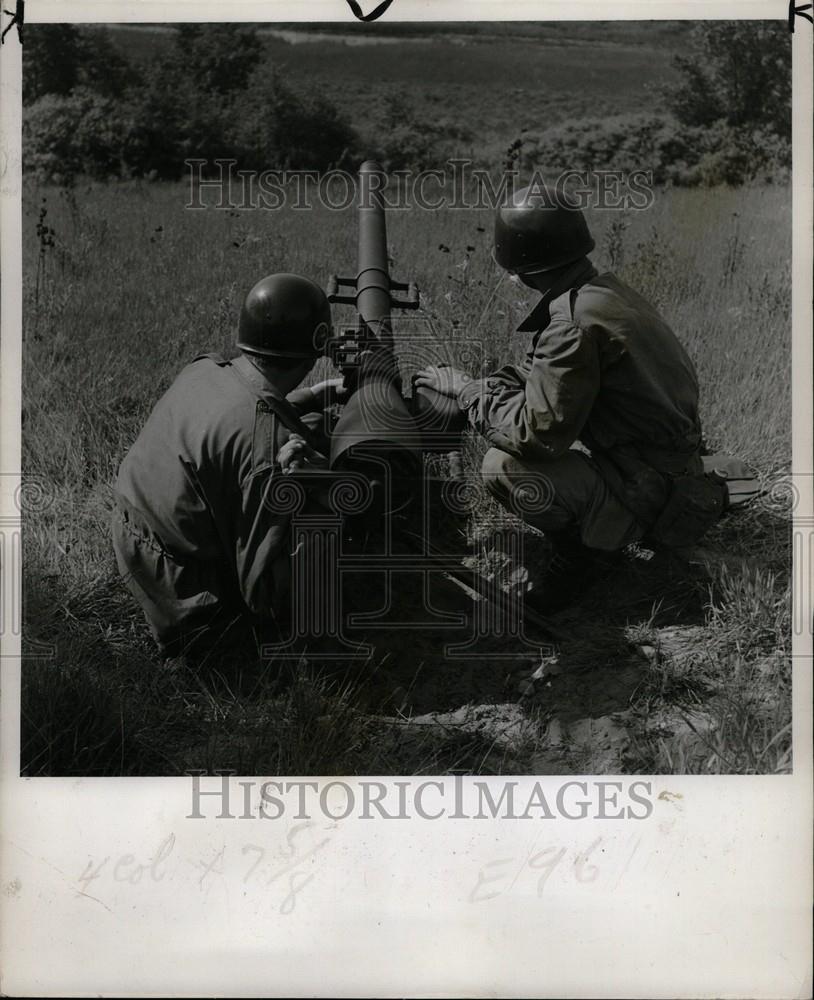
{"x":195,"y":530}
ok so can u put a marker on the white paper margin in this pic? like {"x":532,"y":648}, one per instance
{"x":710,"y":896}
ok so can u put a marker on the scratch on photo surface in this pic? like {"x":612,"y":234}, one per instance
{"x":668,"y":866}
{"x":87,"y":895}
{"x":523,"y":867}
{"x":37,"y":857}
{"x":45,"y":861}
{"x":626,"y":864}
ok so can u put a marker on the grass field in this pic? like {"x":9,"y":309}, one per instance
{"x":679,"y":664}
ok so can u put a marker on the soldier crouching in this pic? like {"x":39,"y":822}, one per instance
{"x":196,"y":534}
{"x":595,"y":437}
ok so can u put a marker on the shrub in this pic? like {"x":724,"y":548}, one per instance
{"x":403,"y":140}
{"x":79,"y":133}
{"x":172,"y":123}
{"x":208,"y":99}
{"x":163,"y":123}
{"x":272,"y":126}
{"x":737,"y":155}
{"x":675,"y":153}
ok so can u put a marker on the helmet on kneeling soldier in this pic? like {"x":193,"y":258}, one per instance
{"x":540,"y":230}
{"x":285,"y":316}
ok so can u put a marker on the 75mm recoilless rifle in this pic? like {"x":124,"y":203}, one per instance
{"x":380,"y":431}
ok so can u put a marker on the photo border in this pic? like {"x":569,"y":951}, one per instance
{"x":709,"y":895}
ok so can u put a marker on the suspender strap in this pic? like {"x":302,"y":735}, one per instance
{"x":279,"y":404}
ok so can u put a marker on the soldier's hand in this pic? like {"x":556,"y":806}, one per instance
{"x":331,"y":390}
{"x":296,"y":453}
{"x":444,"y":379}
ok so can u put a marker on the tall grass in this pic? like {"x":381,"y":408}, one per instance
{"x":131,"y":286}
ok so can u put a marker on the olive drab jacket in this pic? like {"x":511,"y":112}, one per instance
{"x":603,"y":369}
{"x":199,"y":473}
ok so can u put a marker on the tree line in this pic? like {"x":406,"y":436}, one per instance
{"x":89,"y":110}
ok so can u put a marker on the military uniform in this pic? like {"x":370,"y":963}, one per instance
{"x":198,"y":537}
{"x":596,"y":421}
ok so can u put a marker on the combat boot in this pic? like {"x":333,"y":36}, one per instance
{"x":570,"y":570}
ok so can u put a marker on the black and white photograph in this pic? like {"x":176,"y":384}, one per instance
{"x":406,"y":499}
{"x":407,"y":399}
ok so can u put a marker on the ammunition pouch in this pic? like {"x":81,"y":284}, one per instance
{"x":740,"y":480}
{"x":672,"y":495}
{"x":693,"y":505}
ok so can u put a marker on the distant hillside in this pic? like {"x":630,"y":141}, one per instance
{"x":492,"y":78}
{"x":664,"y":34}
{"x":138,"y":100}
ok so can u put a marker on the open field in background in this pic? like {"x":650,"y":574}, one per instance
{"x":542,"y":74}
{"x":677,"y":664}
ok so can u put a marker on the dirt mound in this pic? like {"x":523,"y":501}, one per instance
{"x":555,"y":695}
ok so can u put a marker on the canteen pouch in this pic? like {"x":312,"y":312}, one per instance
{"x":740,"y":480}
{"x":695,"y":503}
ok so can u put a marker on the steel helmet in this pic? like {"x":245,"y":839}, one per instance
{"x":285,"y":316}
{"x":539,"y":230}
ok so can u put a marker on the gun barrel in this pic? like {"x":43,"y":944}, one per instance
{"x":373,"y":287}
{"x":376,"y":434}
